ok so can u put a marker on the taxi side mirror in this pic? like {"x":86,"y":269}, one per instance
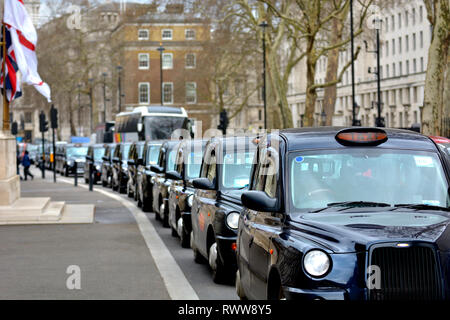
{"x":173,"y":175}
{"x":259,"y":201}
{"x":156,"y":169}
{"x":203,"y":184}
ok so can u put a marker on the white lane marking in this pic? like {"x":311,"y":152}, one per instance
{"x":174,"y":279}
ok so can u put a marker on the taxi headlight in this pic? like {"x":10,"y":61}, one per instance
{"x":316,"y":263}
{"x":233,"y":220}
{"x":97,"y":167}
{"x":70,"y":163}
{"x":190,"y":200}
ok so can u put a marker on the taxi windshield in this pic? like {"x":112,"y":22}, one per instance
{"x":193,"y":164}
{"x":77,"y":152}
{"x":393,"y":177}
{"x":125,"y":151}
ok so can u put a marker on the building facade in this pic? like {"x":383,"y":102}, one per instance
{"x":405,"y":36}
{"x":183,"y":64}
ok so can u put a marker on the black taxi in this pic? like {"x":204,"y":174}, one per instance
{"x":161,"y":183}
{"x":94,"y":157}
{"x":224,"y":175}
{"x":145,"y":176}
{"x":345,"y":213}
{"x":106,"y":169}
{"x":120,"y":167}
{"x":134,"y":162}
{"x":181,"y":192}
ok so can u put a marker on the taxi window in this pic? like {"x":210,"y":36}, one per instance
{"x":211,"y":173}
{"x":153,"y":154}
{"x":374,"y":175}
{"x":236,"y":170}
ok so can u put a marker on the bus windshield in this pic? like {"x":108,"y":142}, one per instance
{"x":159,"y":128}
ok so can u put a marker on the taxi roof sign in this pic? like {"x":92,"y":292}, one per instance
{"x":362,"y":136}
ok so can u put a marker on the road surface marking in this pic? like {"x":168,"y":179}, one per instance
{"x":174,"y":279}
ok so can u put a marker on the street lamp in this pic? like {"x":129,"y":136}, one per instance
{"x":161,"y":50}
{"x":379,"y":122}
{"x":91,"y":81}
{"x":355,"y":122}
{"x":79,"y":108}
{"x":264,"y":26}
{"x":323,"y":118}
{"x":104,"y":96}
{"x":119,"y":85}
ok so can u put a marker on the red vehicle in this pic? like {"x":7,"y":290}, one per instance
{"x":443,"y":143}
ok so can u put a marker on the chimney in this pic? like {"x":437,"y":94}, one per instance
{"x":175,"y":8}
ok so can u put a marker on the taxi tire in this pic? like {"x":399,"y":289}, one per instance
{"x":184,"y":239}
{"x":219,"y":273}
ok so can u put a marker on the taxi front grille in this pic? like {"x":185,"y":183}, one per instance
{"x":410,"y":273}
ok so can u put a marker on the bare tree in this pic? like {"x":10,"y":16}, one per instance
{"x":436,"y":110}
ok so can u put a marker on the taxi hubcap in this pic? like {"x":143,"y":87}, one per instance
{"x":213,"y":256}
{"x":180,"y":226}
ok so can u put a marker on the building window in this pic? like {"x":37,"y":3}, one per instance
{"x":421,"y":39}
{"x":144,"y":61}
{"x":387,"y":71}
{"x":420,"y":14}
{"x":191,"y":92}
{"x":414,"y":41}
{"x":393,"y":46}
{"x":406,"y":18}
{"x":393,"y":22}
{"x":387,"y":24}
{"x":407,"y":67}
{"x":166,"y":34}
{"x":238,"y":87}
{"x":144,"y":93}
{"x":167,"y":61}
{"x":413,"y":16}
{"x":400,"y":68}
{"x":143,"y":34}
{"x":422,"y":68}
{"x":28,"y":117}
{"x":400,"y":45}
{"x":393,"y":69}
{"x":387,"y":49}
{"x":190,"y":60}
{"x":399,"y":20}
{"x":407,"y":43}
{"x":168,"y":92}
{"x":414,"y":65}
{"x":190,"y":34}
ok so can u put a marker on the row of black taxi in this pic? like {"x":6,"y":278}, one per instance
{"x":316,"y":213}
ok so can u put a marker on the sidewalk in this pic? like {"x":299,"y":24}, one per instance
{"x":111,"y":253}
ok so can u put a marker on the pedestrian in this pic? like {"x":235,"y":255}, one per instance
{"x":26,"y":165}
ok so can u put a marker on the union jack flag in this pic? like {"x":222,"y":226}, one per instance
{"x":12,"y":84}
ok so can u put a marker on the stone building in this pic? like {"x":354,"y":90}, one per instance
{"x":405,"y":35}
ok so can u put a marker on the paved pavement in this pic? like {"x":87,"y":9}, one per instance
{"x":114,"y":259}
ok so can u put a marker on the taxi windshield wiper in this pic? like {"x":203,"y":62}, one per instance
{"x":353,"y":204}
{"x":420,"y":206}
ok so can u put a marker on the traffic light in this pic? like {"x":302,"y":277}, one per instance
{"x":223,"y":122}
{"x":43,"y":124}
{"x":54,"y":117}
{"x":14,"y":128}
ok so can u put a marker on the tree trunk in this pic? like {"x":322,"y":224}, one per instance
{"x":311,"y":94}
{"x":330,"y":93}
{"x":437,"y":72}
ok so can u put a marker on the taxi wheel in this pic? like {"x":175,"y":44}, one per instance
{"x":217,"y":267}
{"x":129,"y":193}
{"x":104,"y":183}
{"x":181,"y":231}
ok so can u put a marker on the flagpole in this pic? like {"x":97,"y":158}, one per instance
{"x":6,"y":125}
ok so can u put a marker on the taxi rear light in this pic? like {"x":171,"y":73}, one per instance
{"x":362,"y":136}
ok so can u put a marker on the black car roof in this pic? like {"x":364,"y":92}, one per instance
{"x":324,"y":138}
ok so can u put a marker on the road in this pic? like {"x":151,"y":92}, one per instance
{"x":119,"y":256}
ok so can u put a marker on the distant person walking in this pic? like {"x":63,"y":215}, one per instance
{"x":26,"y":166}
